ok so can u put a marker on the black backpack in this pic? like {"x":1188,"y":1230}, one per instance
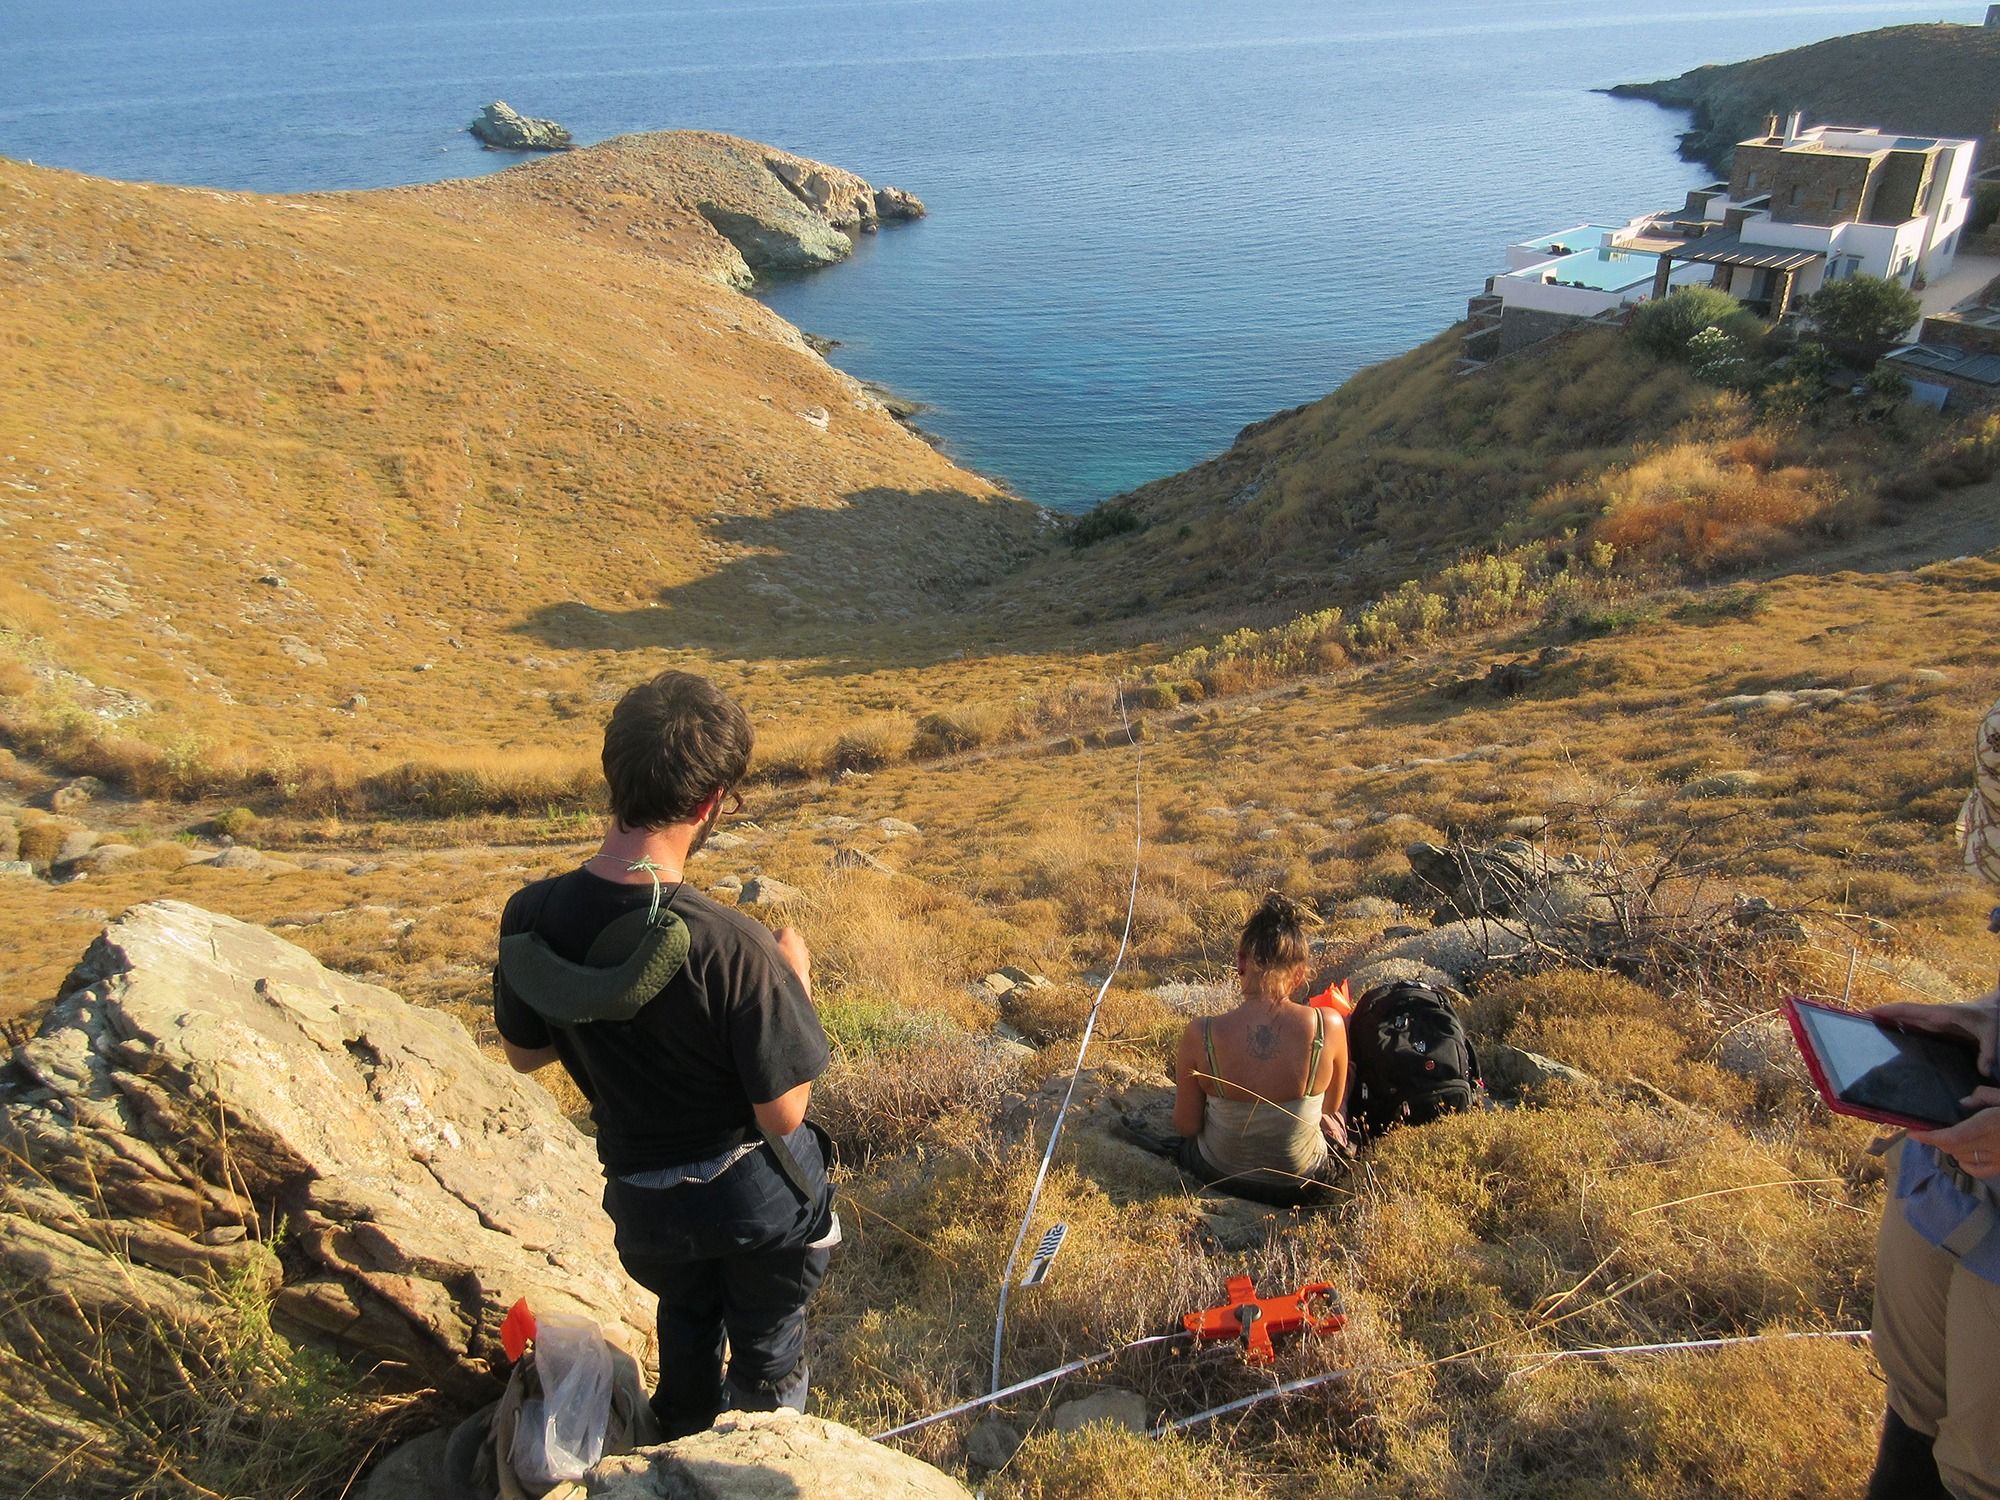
{"x":1411,"y":1058}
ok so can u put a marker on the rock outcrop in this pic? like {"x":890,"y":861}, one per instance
{"x":828,"y":206}
{"x":1513,"y":878}
{"x":775,"y":213}
{"x":207,"y":1101}
{"x":500,"y":127}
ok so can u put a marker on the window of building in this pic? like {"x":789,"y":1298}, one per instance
{"x":1796,"y":194}
{"x":1750,"y":182}
{"x":1841,"y":198}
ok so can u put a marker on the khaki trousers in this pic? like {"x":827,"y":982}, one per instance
{"x":1937,"y":1336}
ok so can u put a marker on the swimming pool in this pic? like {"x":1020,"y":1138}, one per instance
{"x":1582,"y":237}
{"x":1601,"y":270}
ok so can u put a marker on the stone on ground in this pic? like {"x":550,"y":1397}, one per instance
{"x":1111,"y":1407}
{"x":762,"y":890}
{"x":770,"y":1455}
{"x":993,"y":1443}
{"x":1515,"y":1073}
{"x":1760,"y":1049}
{"x":413,"y":1471}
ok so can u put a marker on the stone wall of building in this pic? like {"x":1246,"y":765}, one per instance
{"x":1953,"y":334}
{"x":1901,"y":185}
{"x":1522,"y":326}
{"x":1752,"y":171}
{"x":1821,"y":188}
{"x":1965,"y":395}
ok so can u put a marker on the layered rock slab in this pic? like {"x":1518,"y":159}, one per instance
{"x":205,"y":1090}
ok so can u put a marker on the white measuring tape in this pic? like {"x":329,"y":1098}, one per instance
{"x":1547,"y":1358}
{"x":1331,"y":1377}
{"x":1089,"y":1026}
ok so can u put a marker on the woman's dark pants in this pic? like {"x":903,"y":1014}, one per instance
{"x":727,"y":1257}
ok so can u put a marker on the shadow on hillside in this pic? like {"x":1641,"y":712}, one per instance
{"x":889,"y":578}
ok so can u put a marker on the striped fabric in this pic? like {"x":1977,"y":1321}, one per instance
{"x":1979,"y":824}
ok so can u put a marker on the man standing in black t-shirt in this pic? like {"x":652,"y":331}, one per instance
{"x":716,"y":1186}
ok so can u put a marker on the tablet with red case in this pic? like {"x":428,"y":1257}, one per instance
{"x":1885,"y":1073}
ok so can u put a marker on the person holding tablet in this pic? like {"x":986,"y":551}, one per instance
{"x":1937,"y":1295}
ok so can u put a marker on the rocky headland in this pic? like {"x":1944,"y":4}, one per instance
{"x":1920,"y":80}
{"x":780,"y":214}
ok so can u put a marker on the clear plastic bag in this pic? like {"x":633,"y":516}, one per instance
{"x":560,"y":1433}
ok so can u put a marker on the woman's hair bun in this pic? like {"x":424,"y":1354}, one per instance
{"x":1275,"y":935}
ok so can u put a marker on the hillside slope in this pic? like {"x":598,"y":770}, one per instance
{"x":1920,"y":80}
{"x":394,"y":474}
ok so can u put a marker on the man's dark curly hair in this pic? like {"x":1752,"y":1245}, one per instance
{"x":670,"y":743}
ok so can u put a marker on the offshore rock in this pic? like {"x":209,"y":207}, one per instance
{"x":502,"y":128}
{"x":204,"y":1090}
{"x":893,"y":204}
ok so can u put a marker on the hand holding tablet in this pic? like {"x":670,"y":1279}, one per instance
{"x":1878,"y":1066}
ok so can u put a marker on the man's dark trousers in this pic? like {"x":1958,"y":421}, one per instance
{"x":727,"y":1257}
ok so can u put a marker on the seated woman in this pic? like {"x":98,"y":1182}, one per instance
{"x":1252,"y":1084}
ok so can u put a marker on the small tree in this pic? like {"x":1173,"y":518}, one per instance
{"x":1666,"y":325}
{"x":1863,"y":315}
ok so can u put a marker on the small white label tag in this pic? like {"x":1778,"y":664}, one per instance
{"x":1045,"y":1254}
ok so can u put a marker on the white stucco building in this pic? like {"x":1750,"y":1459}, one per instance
{"x":1803,"y":206}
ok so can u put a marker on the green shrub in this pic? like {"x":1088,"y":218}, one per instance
{"x":1985,"y":209}
{"x":1863,"y":314}
{"x":1408,"y":617}
{"x":1886,"y":388}
{"x":1107,"y":520}
{"x":236,"y":823}
{"x":1970,"y":458}
{"x":1667,"y":325}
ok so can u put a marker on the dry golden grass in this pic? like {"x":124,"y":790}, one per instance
{"x":1467,"y":1233}
{"x":577,"y":481}
{"x":1709,"y":508}
{"x":368,"y":487}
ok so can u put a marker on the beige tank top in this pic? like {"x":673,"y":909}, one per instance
{"x":1272,"y":1143}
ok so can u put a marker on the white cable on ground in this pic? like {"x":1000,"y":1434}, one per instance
{"x":1047,"y":1377}
{"x":1547,"y":1357}
{"x":1614,"y":1350}
{"x":1089,"y":1025}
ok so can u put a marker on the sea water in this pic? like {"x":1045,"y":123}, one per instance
{"x":1152,"y":221}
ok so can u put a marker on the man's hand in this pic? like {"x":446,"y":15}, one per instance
{"x":1975,"y":1143}
{"x":793,"y":947}
{"x":1977,"y":1022}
